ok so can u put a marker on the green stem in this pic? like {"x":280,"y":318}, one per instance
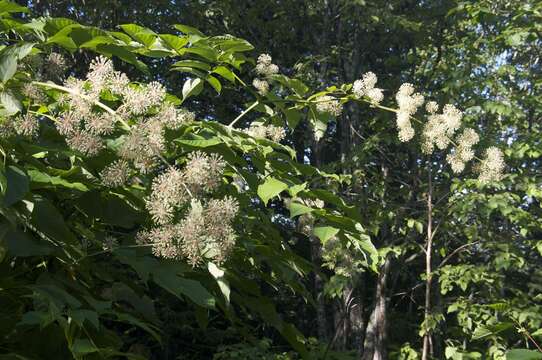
{"x":239,"y":79}
{"x":243,"y":113}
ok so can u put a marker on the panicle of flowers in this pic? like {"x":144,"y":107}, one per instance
{"x":330,"y":105}
{"x":26,"y":125}
{"x":203,"y":173}
{"x":463,"y":152}
{"x":366,"y":87}
{"x":116,"y":174}
{"x":164,"y":241}
{"x":440,"y":128}
{"x":137,"y":149}
{"x":262,"y":86}
{"x":67,"y":124}
{"x":492,"y":165}
{"x":408,"y":102}
{"x":275,"y":133}
{"x":265,"y":67}
{"x":173,"y":188}
{"x":100,"y":123}
{"x":34,"y":93}
{"x":138,"y":100}
{"x":100,"y":71}
{"x":80,"y":97}
{"x":167,"y":195}
{"x":55,"y":66}
{"x":173,"y":118}
{"x":220,"y":235}
{"x":85,"y":142}
{"x":205,"y":232}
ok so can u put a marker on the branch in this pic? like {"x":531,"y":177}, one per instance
{"x":447,"y":258}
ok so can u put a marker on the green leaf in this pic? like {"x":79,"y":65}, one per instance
{"x":294,"y":190}
{"x":523,"y":354}
{"x":123,"y":54}
{"x":11,"y":105}
{"x":200,"y":143}
{"x":8,"y":66}
{"x":47,"y":219}
{"x":298,"y":209}
{"x":192,"y":87}
{"x":83,"y":347}
{"x":188,"y":30}
{"x":270,"y":188}
{"x":10,"y":7}
{"x":193,"y":64}
{"x":214,"y":83}
{"x":20,"y":244}
{"x":324,"y":233}
{"x":225,"y":73}
{"x":174,"y":42}
{"x":17,"y":185}
{"x":43,"y":179}
{"x":223,"y":284}
{"x":178,"y":286}
{"x":207,"y":53}
{"x":98,"y":40}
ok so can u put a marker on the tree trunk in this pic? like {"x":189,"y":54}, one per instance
{"x":376,"y":333}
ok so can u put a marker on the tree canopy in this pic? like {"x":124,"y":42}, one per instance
{"x":330,"y":179}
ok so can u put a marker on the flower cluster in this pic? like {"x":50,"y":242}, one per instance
{"x":463,"y":151}
{"x":261,"y":86}
{"x":264,"y":68}
{"x":330,"y":105}
{"x":366,"y":87}
{"x":440,"y":128}
{"x":87,"y":121}
{"x":205,"y":231}
{"x":491,"y":166}
{"x":408,"y":102}
{"x":173,"y":188}
{"x":26,"y":125}
{"x":275,"y":133}
{"x":116,"y":174}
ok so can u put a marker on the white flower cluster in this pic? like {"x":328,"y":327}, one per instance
{"x":205,"y":232}
{"x":85,"y":123}
{"x":463,"y":152}
{"x":261,"y":86}
{"x":408,"y":102}
{"x":172,"y":189}
{"x":492,"y":165}
{"x":366,"y":87}
{"x":26,"y":125}
{"x":275,"y":133}
{"x":330,"y":105}
{"x":264,"y":68}
{"x":116,"y":174}
{"x":440,"y":128}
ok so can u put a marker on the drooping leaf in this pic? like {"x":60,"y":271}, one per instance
{"x":17,"y":185}
{"x":270,"y":188}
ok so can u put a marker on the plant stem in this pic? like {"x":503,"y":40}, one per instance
{"x":243,"y":113}
{"x":427,"y":340}
{"x":89,"y":99}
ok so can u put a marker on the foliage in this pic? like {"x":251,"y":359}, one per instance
{"x":331,"y":203}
